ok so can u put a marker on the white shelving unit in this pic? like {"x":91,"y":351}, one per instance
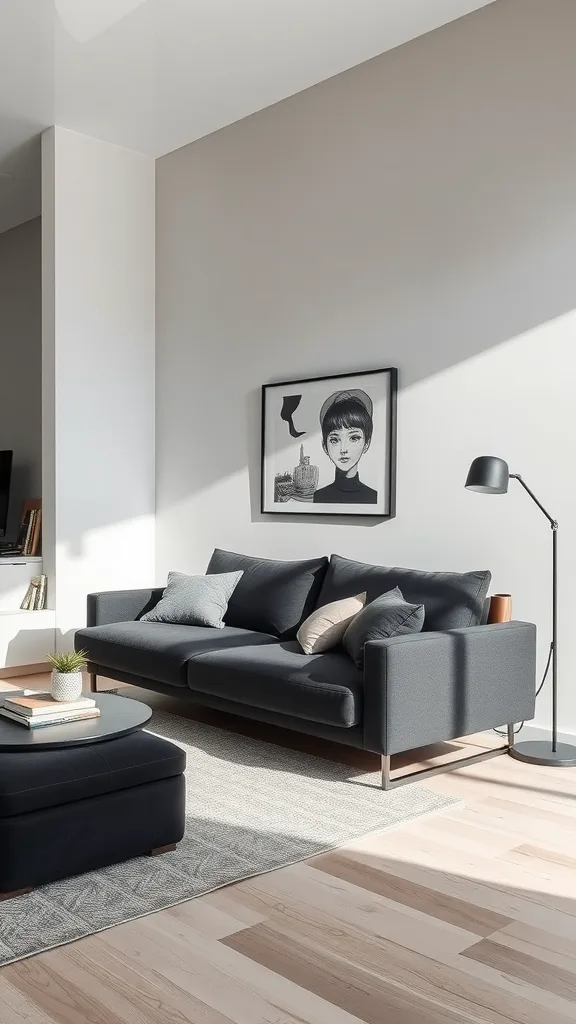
{"x":25,"y":637}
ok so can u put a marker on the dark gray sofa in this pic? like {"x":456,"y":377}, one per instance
{"x":458,"y":677}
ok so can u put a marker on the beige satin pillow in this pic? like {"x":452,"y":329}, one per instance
{"x":325,"y":627}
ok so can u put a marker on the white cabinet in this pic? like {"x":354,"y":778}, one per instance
{"x":25,"y":637}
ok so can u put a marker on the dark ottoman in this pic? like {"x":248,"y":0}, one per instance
{"x":79,"y":808}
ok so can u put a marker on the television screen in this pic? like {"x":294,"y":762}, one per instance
{"x":5,"y":474}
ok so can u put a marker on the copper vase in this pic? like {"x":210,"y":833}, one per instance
{"x":500,"y":608}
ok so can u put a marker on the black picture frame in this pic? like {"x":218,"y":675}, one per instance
{"x":278,"y":490}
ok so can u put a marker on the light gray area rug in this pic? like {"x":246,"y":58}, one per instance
{"x":251,"y":807}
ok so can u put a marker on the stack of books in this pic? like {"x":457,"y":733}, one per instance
{"x":41,"y":709}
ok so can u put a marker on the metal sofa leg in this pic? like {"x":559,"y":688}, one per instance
{"x":441,"y":769}
{"x":385,"y":767}
{"x":93,"y":683}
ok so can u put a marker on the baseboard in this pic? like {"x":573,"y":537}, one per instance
{"x":536,"y":732}
{"x":24,"y":670}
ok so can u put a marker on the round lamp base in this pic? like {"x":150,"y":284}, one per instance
{"x":540,"y":752}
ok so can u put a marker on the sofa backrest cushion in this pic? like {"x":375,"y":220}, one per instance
{"x":271,"y":597}
{"x":451,"y":600}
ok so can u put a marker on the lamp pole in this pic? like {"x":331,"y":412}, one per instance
{"x":531,"y":751}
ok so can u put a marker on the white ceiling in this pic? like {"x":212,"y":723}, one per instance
{"x":154,"y":75}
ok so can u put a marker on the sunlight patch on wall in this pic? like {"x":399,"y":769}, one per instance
{"x":86,"y":19}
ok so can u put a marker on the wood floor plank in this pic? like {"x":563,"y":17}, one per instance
{"x":520,"y":965}
{"x":557,"y":957}
{"x":547,"y":1002}
{"x":17,"y":1008}
{"x":352,"y":988}
{"x":64,"y":1001}
{"x":420,"y":863}
{"x":441,"y":984}
{"x":220,"y":977}
{"x":355,"y":906}
{"x":463,"y":836}
{"x":556,"y":825}
{"x":207,"y":919}
{"x":541,"y":941}
{"x":117,"y":988}
{"x":460,"y":913}
{"x":542,"y":853}
{"x":227,"y":900}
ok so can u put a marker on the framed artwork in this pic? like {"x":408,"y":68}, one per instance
{"x":329,"y":445}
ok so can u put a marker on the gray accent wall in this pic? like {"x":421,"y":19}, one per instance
{"x":417,"y":211}
{"x":21,"y":361}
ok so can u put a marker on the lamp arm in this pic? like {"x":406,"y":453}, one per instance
{"x":553,"y":522}
{"x":554,"y":644}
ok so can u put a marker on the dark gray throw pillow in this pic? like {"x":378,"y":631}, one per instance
{"x":389,"y":615}
{"x":195,"y":600}
{"x":453,"y":600}
{"x":272,"y":597}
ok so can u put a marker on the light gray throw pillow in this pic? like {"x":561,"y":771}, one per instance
{"x":325,"y":628}
{"x":195,"y":600}
{"x":386,"y":616}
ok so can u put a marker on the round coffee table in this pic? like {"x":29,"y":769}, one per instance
{"x":118,"y":717}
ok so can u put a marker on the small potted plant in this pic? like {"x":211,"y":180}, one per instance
{"x":67,"y":679}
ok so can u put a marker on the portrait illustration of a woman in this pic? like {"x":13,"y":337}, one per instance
{"x":347,"y":424}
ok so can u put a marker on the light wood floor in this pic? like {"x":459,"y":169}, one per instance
{"x":466,"y":916}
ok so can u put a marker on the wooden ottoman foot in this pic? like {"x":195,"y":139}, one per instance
{"x":163,"y":849}
{"x":14,"y":894}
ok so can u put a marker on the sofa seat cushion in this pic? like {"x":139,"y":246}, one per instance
{"x":279,"y":677}
{"x":157,"y":650}
{"x":271,"y":596}
{"x":50,"y":778}
{"x":452,"y":600}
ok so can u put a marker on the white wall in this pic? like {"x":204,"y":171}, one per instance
{"x":417,"y":211}
{"x":98,"y":362}
{"x":21,"y":362}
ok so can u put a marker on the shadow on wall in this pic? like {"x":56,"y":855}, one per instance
{"x":417,"y":211}
{"x":30,"y":646}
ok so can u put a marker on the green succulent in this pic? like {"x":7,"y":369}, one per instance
{"x":73,"y":661}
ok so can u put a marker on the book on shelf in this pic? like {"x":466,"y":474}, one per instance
{"x":31,"y":519}
{"x":33,"y":544}
{"x":44,"y":704}
{"x":55,"y":719}
{"x":35,"y":599}
{"x":23,"y":532}
{"x":28,"y":540}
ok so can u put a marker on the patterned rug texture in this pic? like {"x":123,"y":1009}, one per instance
{"x":252,"y":807}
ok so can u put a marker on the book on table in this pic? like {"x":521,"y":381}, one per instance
{"x":39,"y":709}
{"x":39,"y":704}
{"x":53,"y":719}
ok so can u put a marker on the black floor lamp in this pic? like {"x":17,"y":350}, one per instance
{"x":490,"y":475}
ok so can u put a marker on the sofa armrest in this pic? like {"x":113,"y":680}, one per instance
{"x":429,"y":687}
{"x":120,"y":605}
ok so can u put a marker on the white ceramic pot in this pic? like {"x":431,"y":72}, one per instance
{"x":66,"y":685}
